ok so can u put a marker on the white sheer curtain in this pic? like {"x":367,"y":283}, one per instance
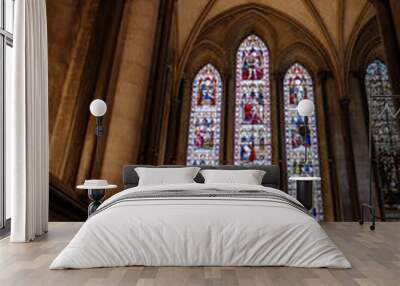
{"x":27,"y":124}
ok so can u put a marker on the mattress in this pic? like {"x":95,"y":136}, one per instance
{"x":201,"y":225}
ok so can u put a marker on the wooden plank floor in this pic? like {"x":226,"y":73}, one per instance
{"x":375,"y":257}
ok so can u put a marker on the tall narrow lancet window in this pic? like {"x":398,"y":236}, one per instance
{"x":205,"y":118}
{"x":252,"y":111}
{"x":386,"y":135}
{"x":298,"y":85}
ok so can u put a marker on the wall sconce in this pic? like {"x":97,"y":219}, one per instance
{"x":98,"y":109}
{"x":306,"y":108}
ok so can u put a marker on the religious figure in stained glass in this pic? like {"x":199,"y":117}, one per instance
{"x":297,"y":86}
{"x":207,"y":92}
{"x":386,"y":134}
{"x":205,"y":118}
{"x":252,"y":112}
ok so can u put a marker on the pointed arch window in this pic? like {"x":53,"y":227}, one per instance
{"x":252,"y":109}
{"x":205,"y":118}
{"x":386,"y":134}
{"x":298,"y":85}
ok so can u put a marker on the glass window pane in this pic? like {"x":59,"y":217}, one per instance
{"x":253,"y":104}
{"x":9,"y":13}
{"x":8,"y":88}
{"x":386,"y":134}
{"x":205,"y":118}
{"x":298,"y":85}
{"x":1,"y":14}
{"x":2,"y":202}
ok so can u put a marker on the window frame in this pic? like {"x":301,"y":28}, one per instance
{"x":6,"y":39}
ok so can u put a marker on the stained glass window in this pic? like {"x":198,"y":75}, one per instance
{"x":298,"y":85}
{"x":252,"y":111}
{"x":205,"y":118}
{"x":386,"y":134}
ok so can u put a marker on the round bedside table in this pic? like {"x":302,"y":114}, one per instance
{"x":304,"y":189}
{"x":96,"y":194}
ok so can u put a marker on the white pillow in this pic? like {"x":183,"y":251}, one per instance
{"x":248,"y":177}
{"x":166,"y":176}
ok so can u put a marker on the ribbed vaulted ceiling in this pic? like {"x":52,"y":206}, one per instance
{"x":332,"y":22}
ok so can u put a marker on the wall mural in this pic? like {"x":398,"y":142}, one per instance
{"x":298,"y":85}
{"x":252,"y":113}
{"x":205,"y":118}
{"x":386,"y":135}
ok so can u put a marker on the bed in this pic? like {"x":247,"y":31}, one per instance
{"x":197,"y":224}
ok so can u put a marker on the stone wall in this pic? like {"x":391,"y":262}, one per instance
{"x":134,"y":61}
{"x":86,"y":63}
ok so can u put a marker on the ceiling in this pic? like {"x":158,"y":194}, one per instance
{"x":332,"y":22}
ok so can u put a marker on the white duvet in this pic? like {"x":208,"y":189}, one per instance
{"x":200,"y":231}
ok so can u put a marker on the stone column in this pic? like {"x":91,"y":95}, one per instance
{"x":278,"y":126}
{"x":395,"y":7}
{"x":174,"y":132}
{"x":335,"y":130}
{"x":228,"y":119}
{"x":136,"y":42}
{"x":157,"y":107}
{"x":391,"y":44}
{"x":350,"y":164}
{"x":183,"y":119}
{"x":361,"y":151}
{"x":330,"y":194}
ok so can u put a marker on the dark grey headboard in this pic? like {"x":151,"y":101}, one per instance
{"x":271,"y":177}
